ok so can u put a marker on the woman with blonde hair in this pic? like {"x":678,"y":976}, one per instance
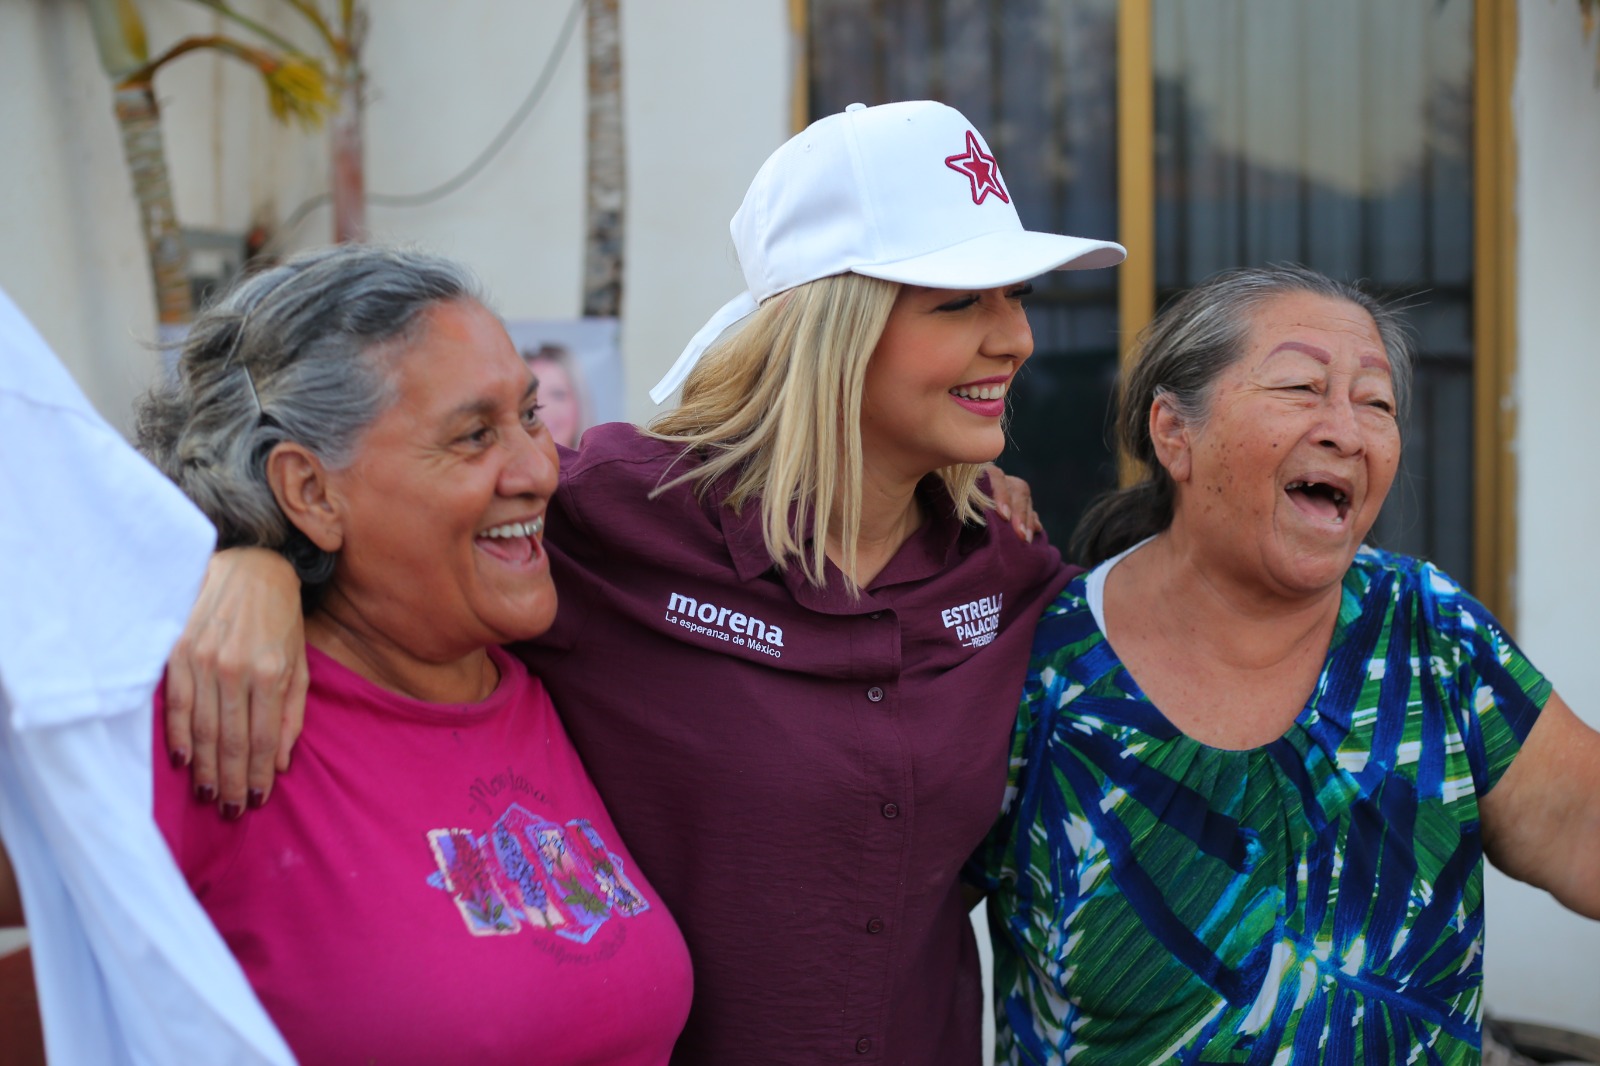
{"x":793,"y":655}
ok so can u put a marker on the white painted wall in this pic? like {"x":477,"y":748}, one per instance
{"x":71,"y":254}
{"x":701,"y":110}
{"x":1542,"y":962}
{"x":706,"y":97}
{"x":699,"y":115}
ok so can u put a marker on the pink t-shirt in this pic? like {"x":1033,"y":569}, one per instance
{"x":436,"y":883}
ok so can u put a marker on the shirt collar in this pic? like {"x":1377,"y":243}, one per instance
{"x":932,"y":548}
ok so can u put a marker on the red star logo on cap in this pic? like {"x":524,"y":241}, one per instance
{"x":980,"y":168}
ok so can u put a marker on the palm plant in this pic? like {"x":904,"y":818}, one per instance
{"x":298,"y":88}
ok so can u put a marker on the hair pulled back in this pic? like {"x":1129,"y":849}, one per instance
{"x":1180,"y":356}
{"x":300,"y":353}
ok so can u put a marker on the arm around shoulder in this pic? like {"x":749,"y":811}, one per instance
{"x":1541,"y":822}
{"x":236,"y":681}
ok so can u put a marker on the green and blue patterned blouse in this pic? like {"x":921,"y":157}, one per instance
{"x":1315,"y":900}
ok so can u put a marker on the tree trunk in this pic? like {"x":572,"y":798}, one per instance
{"x":139,"y":122}
{"x":602,"y":266}
{"x":348,"y":153}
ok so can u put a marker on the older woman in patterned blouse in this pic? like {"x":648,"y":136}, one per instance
{"x":1258,"y":764}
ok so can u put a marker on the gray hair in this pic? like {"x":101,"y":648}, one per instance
{"x":1182,"y":353}
{"x":301,"y":352}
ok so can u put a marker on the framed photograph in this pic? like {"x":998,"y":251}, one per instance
{"x":579,"y":366}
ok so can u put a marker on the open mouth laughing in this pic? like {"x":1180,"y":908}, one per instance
{"x":1324,"y":498}
{"x":513,"y":542}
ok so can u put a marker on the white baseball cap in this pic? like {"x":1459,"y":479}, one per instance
{"x":906,"y":192}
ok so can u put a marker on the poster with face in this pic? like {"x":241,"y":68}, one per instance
{"x":579,"y":366}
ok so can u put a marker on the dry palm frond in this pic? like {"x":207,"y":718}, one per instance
{"x":297,"y":85}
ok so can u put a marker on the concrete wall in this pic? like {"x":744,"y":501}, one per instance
{"x":71,"y":253}
{"x":1543,"y":963}
{"x":700,"y":115}
{"x":699,"y":118}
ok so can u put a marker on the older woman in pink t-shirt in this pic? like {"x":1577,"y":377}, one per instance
{"x":438,"y":880}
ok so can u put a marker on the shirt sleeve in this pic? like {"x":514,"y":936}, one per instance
{"x":995,"y":861}
{"x":1497,"y":694}
{"x":992,"y":863}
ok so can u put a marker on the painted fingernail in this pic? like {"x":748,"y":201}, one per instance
{"x":232,"y":811}
{"x":205,"y":793}
{"x":256,"y":797}
{"x":179,"y":757}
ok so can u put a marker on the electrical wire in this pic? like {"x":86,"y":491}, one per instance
{"x":472,"y":169}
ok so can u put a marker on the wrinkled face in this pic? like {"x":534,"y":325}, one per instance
{"x":936,"y":386}
{"x":442,"y":510}
{"x":558,"y":401}
{"x":1286,"y":476}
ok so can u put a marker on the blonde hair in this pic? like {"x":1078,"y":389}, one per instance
{"x":778,"y":404}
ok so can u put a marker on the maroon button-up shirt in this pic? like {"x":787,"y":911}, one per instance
{"x":801,"y":775}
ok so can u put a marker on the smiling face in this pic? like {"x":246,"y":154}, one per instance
{"x":441,"y":514}
{"x":1283,"y":480}
{"x":936,"y":385}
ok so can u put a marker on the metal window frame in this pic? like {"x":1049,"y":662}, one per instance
{"x":1494,"y":265}
{"x":1494,"y":254}
{"x":1494,"y":309}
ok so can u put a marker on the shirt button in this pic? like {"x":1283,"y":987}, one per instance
{"x":863,"y":1046}
{"x":891,"y":810}
{"x":874,"y":925}
{"x":875,"y":615}
{"x":875,"y":694}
